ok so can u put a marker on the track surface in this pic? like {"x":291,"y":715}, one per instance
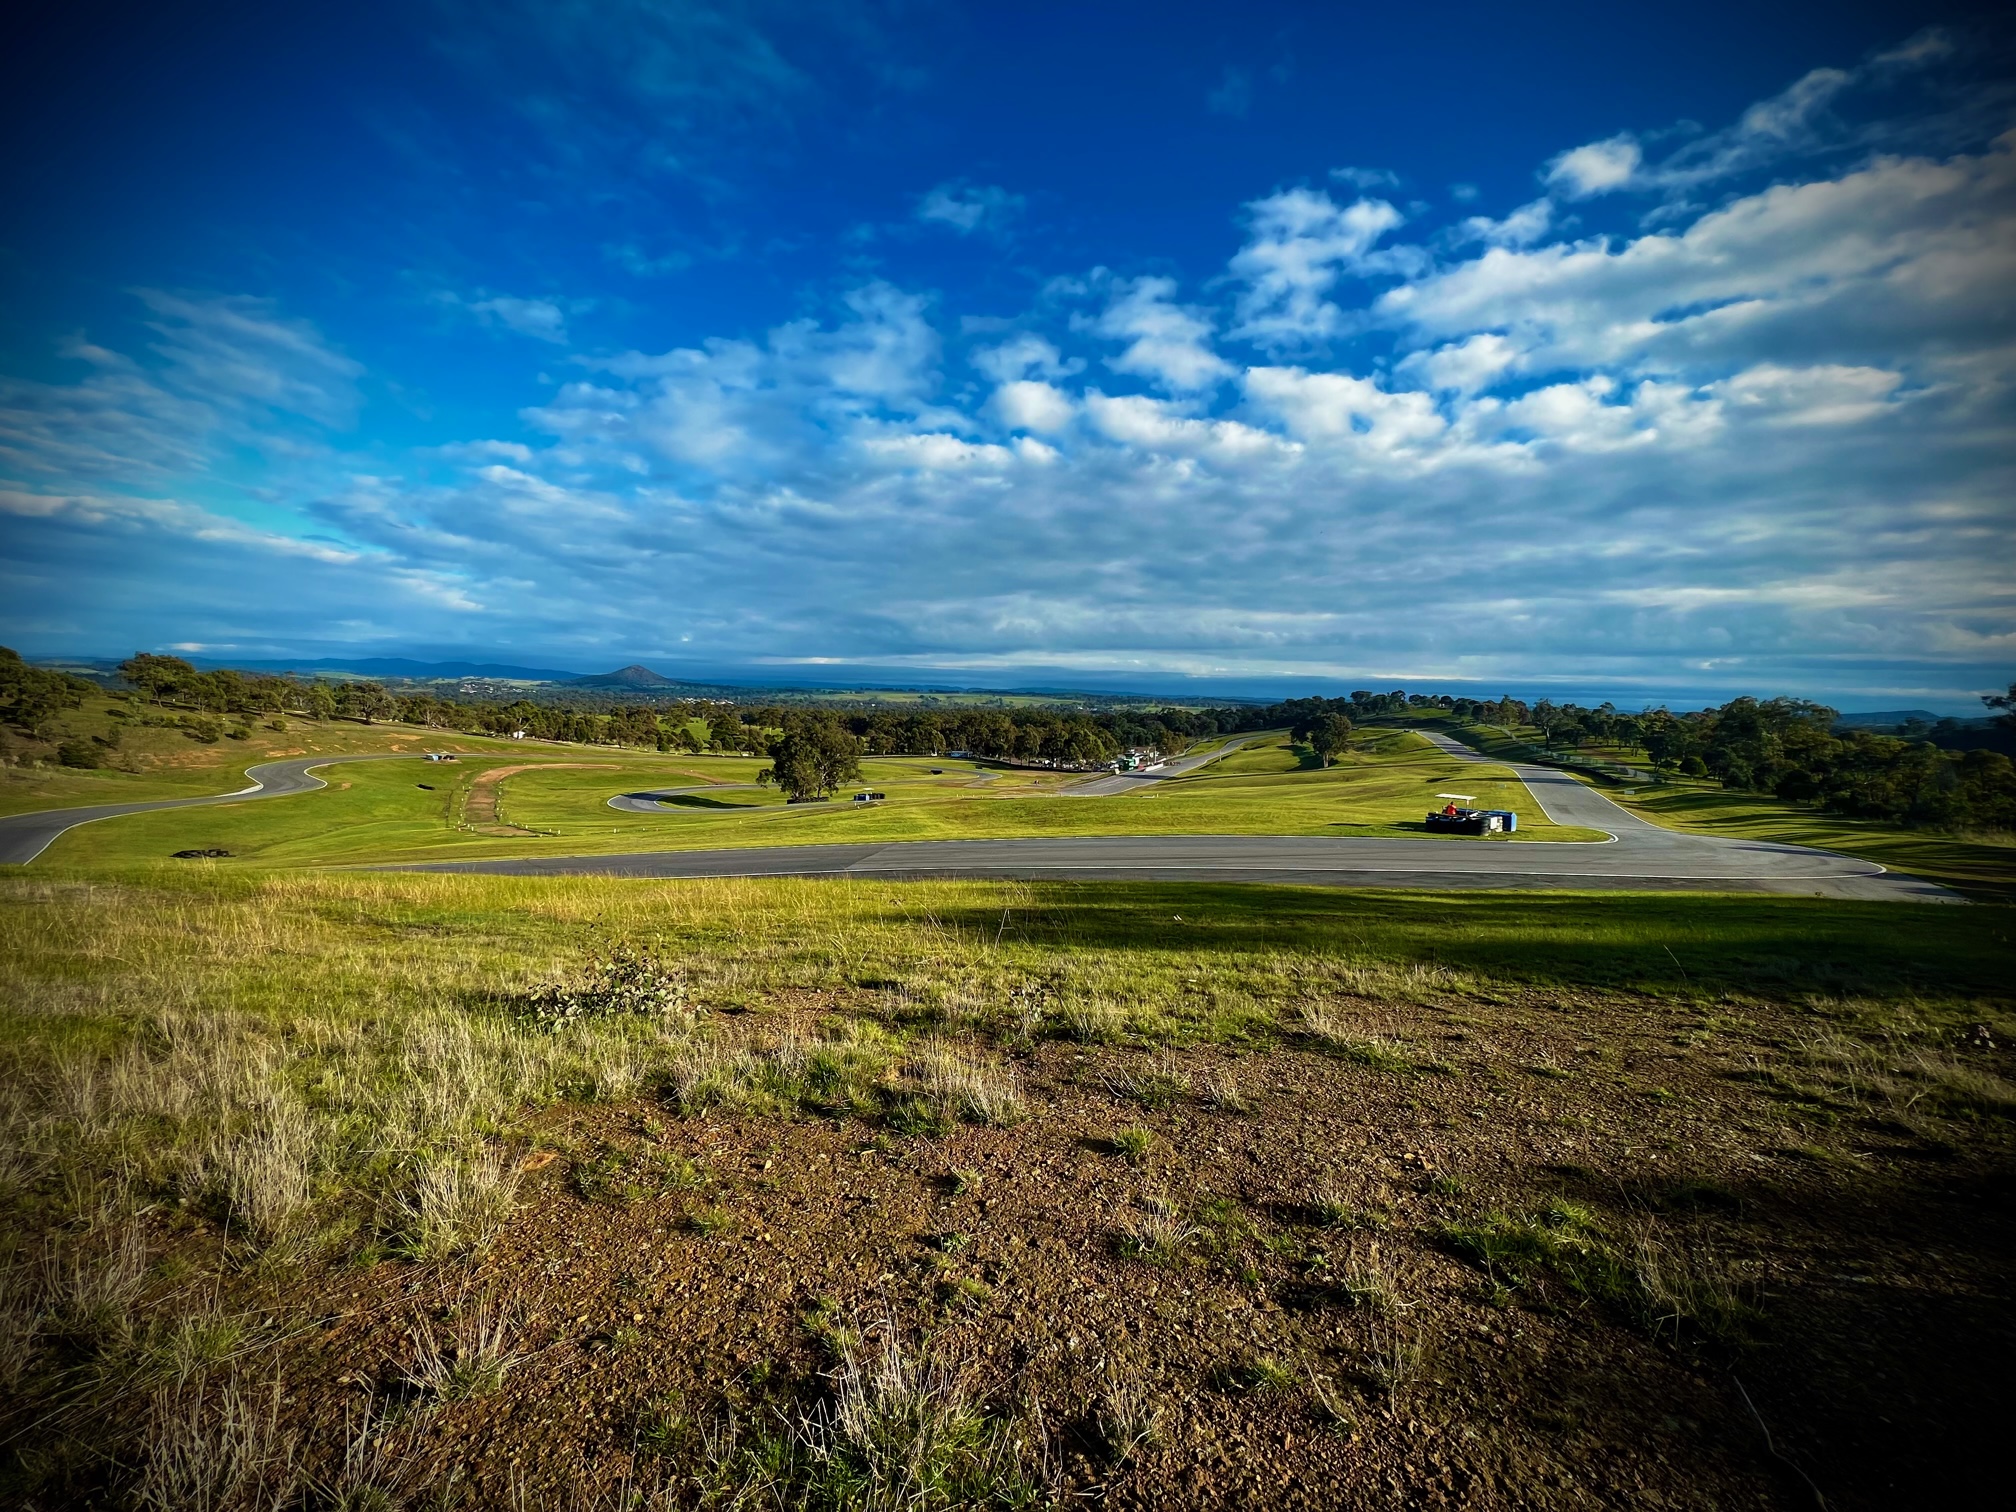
{"x":23,"y":837}
{"x":1131,"y":782}
{"x":648,"y":802}
{"x":1639,"y":856}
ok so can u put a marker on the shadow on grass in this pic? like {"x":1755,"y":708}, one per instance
{"x":1657,"y":943}
{"x":1886,"y":1393}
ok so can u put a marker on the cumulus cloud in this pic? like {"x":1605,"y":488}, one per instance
{"x":1029,"y":404}
{"x":1521,"y":228}
{"x":540,"y":319}
{"x":1366,"y":179}
{"x":969,"y":208}
{"x":1300,"y":242}
{"x":1024,"y":355}
{"x":1463,"y":367}
{"x":1837,"y":270}
{"x":1772,"y":433}
{"x":1596,"y":167}
{"x":1167,"y":343}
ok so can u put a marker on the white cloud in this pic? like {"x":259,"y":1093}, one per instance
{"x":969,"y":208}
{"x":1027,"y":404}
{"x":1595,"y":167}
{"x":127,"y":514}
{"x":1156,"y":425}
{"x":1770,"y":436}
{"x":1337,"y":407}
{"x":1022,"y":356}
{"x":1167,"y":343}
{"x":1463,"y":367}
{"x":1364,"y":179}
{"x":540,"y":319}
{"x":938,"y":452}
{"x":1798,"y":121}
{"x":1837,"y":271}
{"x":1830,"y":394}
{"x":1521,"y":228}
{"x":1300,"y":242}
{"x":238,"y":352}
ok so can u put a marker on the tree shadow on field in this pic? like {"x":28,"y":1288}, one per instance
{"x":1658,"y":943}
{"x":1879,"y":1362}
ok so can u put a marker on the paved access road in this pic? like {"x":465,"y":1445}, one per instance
{"x":1133,"y":782}
{"x":1639,"y":855}
{"x":23,"y":837}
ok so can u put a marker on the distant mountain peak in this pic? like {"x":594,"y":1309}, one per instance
{"x":632,"y":676}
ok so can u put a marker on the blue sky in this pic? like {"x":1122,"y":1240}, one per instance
{"x":1626,"y":350}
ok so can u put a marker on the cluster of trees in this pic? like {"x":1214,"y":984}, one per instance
{"x":29,"y":696}
{"x":1791,"y":747}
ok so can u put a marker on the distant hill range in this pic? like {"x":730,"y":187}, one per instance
{"x":392,"y":666}
{"x":632,"y":676}
{"x":1892,"y":719}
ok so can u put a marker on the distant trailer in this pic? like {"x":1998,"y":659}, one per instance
{"x":869,"y":797}
{"x":439,"y":756}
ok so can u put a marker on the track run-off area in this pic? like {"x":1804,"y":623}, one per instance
{"x":1638,"y":855}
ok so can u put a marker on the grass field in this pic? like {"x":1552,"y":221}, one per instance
{"x":335,"y":1188}
{"x":155,"y":762}
{"x":383,"y":812}
{"x":397,"y":1190}
{"x":1982,"y":867}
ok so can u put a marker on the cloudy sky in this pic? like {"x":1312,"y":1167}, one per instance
{"x":1629,"y":351}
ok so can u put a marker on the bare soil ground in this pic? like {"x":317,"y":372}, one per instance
{"x":480,"y":806}
{"x":1215,"y":1277}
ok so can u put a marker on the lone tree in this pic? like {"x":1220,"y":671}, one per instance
{"x":1328,"y":737}
{"x":812,"y":759}
{"x":1325,"y":734}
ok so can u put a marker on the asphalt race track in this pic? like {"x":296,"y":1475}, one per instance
{"x":23,"y":837}
{"x":1638,"y":856}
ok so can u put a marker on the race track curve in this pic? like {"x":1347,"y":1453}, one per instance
{"x":23,"y":837}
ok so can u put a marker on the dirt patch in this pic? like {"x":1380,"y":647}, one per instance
{"x":480,"y":805}
{"x":1269,"y":1251}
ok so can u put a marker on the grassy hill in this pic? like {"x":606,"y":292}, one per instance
{"x":530,"y":1190}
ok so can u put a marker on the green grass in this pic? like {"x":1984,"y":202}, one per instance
{"x":376,"y":813}
{"x":342,"y":1065}
{"x":1982,"y":867}
{"x":155,"y":762}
